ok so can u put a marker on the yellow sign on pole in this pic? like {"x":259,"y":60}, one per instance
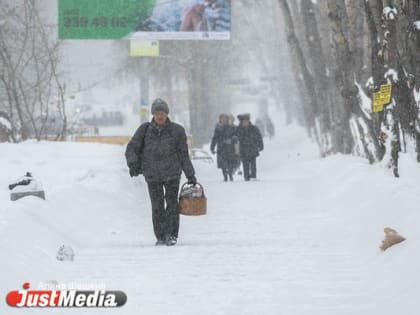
{"x":144,"y":113}
{"x":144,"y":48}
{"x":382,"y":98}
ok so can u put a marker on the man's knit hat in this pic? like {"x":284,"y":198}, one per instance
{"x":245,"y":116}
{"x":160,"y":105}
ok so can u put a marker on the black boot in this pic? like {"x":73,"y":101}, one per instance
{"x":171,"y":241}
{"x":225,"y":175}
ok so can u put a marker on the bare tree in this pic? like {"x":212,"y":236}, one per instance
{"x":303,"y":74}
{"x":376,"y":41}
{"x":29,"y":77}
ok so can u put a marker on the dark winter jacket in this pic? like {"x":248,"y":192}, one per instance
{"x":250,"y":140}
{"x":224,"y":138}
{"x":161,"y":153}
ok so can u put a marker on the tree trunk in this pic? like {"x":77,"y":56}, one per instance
{"x":319,"y":70}
{"x":344,"y":75}
{"x":357,"y":36}
{"x":299,"y":60}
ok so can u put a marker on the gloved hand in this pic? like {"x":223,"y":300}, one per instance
{"x":192,"y":180}
{"x":135,"y":170}
{"x":213,"y":151}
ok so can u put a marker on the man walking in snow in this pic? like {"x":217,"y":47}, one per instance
{"x":251,"y":144}
{"x":159,"y":151}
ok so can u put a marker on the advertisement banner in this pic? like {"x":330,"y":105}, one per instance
{"x":144,"y":48}
{"x":144,"y":19}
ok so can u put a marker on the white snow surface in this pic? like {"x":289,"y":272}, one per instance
{"x":303,"y":239}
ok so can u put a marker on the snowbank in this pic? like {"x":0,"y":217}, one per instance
{"x":303,"y":239}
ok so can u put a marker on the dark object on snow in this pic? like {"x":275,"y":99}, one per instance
{"x":65,"y":253}
{"x":24,"y":182}
{"x":19,"y":195}
{"x":26,"y":186}
{"x":192,"y":200}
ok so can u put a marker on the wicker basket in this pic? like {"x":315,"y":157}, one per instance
{"x":196,"y":203}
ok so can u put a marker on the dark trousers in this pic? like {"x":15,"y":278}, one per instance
{"x":227,"y":172}
{"x":165,"y":219}
{"x":250,"y":168}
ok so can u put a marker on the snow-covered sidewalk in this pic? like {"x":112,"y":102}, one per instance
{"x":303,"y":239}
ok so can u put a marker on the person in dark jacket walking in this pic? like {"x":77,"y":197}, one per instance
{"x":224,"y":138}
{"x":159,"y":151}
{"x":251,"y":144}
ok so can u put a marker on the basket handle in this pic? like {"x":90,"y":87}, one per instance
{"x":197,"y":184}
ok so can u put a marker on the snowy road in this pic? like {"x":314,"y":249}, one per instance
{"x":242,"y":259}
{"x":302,"y":240}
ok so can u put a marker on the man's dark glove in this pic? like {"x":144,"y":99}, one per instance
{"x":192,"y":180}
{"x":135,"y":170}
{"x":213,"y":151}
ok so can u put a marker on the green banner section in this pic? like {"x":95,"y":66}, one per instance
{"x":101,"y":19}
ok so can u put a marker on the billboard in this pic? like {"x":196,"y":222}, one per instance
{"x":144,"y":19}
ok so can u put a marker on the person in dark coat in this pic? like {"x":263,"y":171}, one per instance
{"x":159,"y":151}
{"x":224,"y":138}
{"x":251,"y":144}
